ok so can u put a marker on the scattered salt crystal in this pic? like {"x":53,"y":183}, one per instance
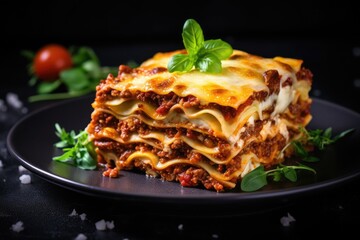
{"x":73,"y":213}
{"x":80,"y":236}
{"x":1,"y":164}
{"x":3,"y":107}
{"x":100,"y":225}
{"x":82,"y":216}
{"x":103,"y":225}
{"x":13,"y":100}
{"x":25,"y":179}
{"x":180,"y":227}
{"x":110,"y":225}
{"x":21,"y":168}
{"x":17,"y":227}
{"x":286,"y":220}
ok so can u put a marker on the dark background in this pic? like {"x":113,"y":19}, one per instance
{"x":326,"y":36}
{"x":117,"y":22}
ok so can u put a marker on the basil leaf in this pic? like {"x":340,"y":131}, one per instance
{"x":75,"y":79}
{"x":30,"y":55}
{"x":343,"y":134}
{"x":192,"y":35}
{"x":206,"y":56}
{"x":83,"y":54}
{"x":208,"y":63}
{"x":277,"y":176}
{"x":290,"y":173}
{"x":254,"y":180}
{"x":219,"y":48}
{"x":92,"y":68}
{"x":299,"y":149}
{"x":33,"y":80}
{"x":310,"y":159}
{"x":180,"y":63}
{"x":47,"y":87}
{"x":328,"y":132}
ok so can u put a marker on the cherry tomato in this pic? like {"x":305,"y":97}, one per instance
{"x":50,"y":60}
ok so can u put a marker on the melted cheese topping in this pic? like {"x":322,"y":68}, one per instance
{"x":242,"y":75}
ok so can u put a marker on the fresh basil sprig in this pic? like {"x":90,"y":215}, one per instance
{"x":77,"y":149}
{"x":204,"y":55}
{"x":257,"y":178}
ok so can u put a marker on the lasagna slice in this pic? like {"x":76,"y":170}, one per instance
{"x":200,"y":129}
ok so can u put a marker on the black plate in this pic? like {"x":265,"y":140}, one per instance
{"x":31,"y":142}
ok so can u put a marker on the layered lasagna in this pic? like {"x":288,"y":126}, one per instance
{"x":200,"y":129}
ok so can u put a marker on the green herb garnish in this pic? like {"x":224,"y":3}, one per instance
{"x":205,"y":56}
{"x":318,"y":138}
{"x":321,"y":138}
{"x":303,"y":153}
{"x":77,"y":149}
{"x":257,"y":178}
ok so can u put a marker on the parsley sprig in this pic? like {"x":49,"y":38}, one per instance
{"x":77,"y":149}
{"x":204,"y":55}
{"x":318,"y":138}
{"x":321,"y":138}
